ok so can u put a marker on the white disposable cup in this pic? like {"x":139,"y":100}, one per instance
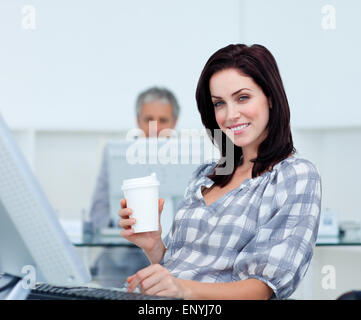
{"x":142,"y":197}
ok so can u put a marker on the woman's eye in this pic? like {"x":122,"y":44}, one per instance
{"x":242,"y":98}
{"x":218,"y":104}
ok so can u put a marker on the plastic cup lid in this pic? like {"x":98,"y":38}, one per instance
{"x":147,"y":181}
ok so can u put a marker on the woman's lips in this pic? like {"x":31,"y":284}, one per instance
{"x":239,"y":129}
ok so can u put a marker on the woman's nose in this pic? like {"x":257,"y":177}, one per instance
{"x":232,"y":112}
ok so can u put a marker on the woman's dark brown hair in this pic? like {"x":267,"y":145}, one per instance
{"x":258,"y":63}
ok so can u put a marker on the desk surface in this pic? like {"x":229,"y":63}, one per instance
{"x":98,"y":240}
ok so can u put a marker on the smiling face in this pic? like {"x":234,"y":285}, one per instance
{"x":241,"y":108}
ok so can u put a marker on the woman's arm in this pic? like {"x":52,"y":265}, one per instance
{"x":157,"y":280}
{"x":156,"y":254}
{"x":250,"y":289}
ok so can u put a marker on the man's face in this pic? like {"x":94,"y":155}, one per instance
{"x":157,"y":111}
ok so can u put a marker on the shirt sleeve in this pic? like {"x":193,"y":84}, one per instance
{"x":281,"y":250}
{"x":202,"y":170}
{"x":99,"y":208}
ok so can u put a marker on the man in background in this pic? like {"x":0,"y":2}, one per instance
{"x":153,"y":106}
{"x":156,"y":104}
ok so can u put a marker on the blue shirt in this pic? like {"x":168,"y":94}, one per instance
{"x":264,"y":229}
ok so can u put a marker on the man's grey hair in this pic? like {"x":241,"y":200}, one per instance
{"x":157,"y":94}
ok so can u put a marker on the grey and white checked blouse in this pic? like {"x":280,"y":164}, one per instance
{"x":265,"y":229}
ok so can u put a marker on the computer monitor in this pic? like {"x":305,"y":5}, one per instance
{"x":172,"y":159}
{"x":30,"y":232}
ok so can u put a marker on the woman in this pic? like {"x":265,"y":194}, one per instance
{"x":248,"y":233}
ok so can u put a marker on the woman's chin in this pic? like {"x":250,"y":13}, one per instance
{"x":238,"y":141}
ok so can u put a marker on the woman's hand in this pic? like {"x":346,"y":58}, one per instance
{"x":145,"y":240}
{"x":157,"y":280}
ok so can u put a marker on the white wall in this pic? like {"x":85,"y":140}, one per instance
{"x":86,"y":61}
{"x":319,"y":64}
{"x":337,"y":154}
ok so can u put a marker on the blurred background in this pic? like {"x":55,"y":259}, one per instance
{"x":70,"y":72}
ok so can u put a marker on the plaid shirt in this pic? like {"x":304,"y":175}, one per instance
{"x":265,"y":229}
